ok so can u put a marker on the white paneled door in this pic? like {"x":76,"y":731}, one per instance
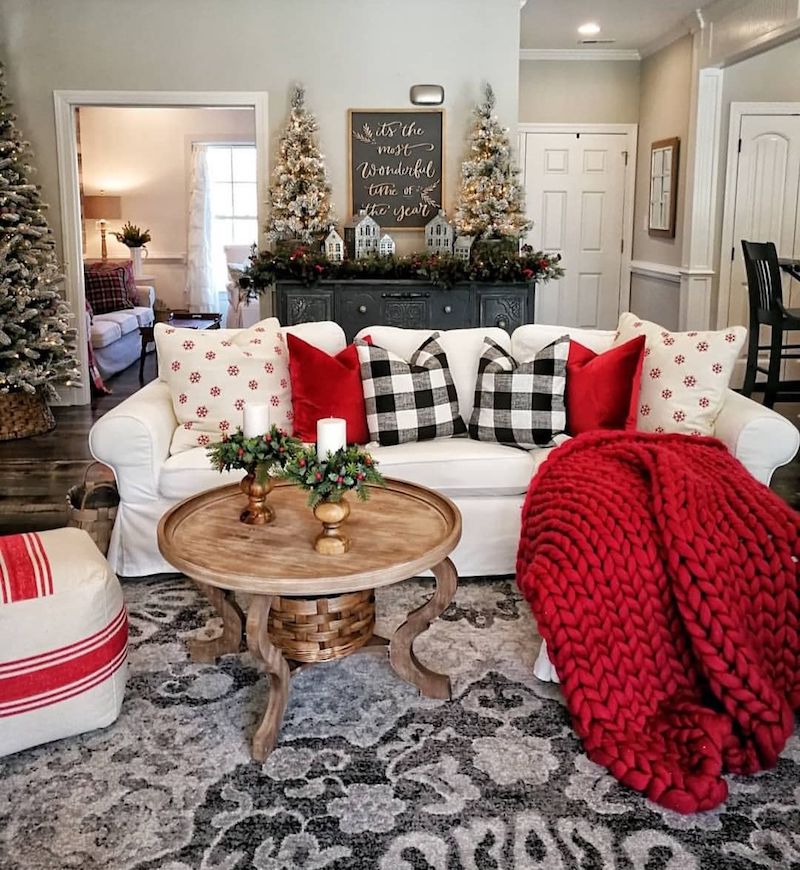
{"x":576,"y":196}
{"x":767,"y":188}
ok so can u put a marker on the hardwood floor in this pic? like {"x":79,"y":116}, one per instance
{"x":35,"y":473}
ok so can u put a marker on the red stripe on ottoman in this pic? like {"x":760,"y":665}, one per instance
{"x":24,"y":568}
{"x":38,"y":681}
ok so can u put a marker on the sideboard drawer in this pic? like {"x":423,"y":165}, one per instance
{"x":357,"y":309}
{"x":451,"y":309}
{"x":504,"y":308}
{"x":409,"y":309}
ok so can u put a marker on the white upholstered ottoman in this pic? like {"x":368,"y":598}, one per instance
{"x":63,"y":638}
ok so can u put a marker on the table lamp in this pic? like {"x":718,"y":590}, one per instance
{"x":102,"y":209}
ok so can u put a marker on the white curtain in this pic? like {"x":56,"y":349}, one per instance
{"x":201,"y":284}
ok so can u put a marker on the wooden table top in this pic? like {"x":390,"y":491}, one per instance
{"x":399,"y":532}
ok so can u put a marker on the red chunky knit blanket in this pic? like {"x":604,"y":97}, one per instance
{"x":664,"y":579}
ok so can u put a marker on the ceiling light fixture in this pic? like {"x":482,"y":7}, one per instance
{"x":589,"y":29}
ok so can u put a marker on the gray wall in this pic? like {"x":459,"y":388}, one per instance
{"x":349,"y":54}
{"x":578,"y":92}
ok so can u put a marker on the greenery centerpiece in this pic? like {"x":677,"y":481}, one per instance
{"x":132,"y":236}
{"x":327,"y":480}
{"x":262,"y":459}
{"x":442,"y":270}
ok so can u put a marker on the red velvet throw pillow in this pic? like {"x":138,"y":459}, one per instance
{"x":326,"y":386}
{"x":603,"y":389}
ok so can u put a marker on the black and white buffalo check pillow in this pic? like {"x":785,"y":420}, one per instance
{"x":409,"y":401}
{"x":521,"y":403}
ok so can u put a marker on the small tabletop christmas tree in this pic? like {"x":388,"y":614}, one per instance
{"x":37,"y":341}
{"x":300,"y":195}
{"x":492,"y":201}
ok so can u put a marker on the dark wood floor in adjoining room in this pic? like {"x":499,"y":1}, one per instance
{"x":35,"y":473}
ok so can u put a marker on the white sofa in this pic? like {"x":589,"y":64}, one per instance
{"x":116,"y":342}
{"x":488,"y":482}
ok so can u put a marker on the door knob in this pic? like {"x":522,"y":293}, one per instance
{"x":502,"y":323}
{"x":362,"y":309}
{"x":448,"y":309}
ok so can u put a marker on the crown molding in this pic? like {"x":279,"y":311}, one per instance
{"x":579,"y":54}
{"x":683,"y":28}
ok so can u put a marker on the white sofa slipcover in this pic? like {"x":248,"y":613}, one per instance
{"x":116,"y":342}
{"x":487,"y":482}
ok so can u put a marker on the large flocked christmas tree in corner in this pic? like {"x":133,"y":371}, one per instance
{"x":37,"y":340}
{"x":491,"y":203}
{"x":300,"y":195}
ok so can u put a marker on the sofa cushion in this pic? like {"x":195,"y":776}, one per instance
{"x":126,"y":320}
{"x":462,"y":346}
{"x":528,"y":340}
{"x":144,"y":315}
{"x":461,"y":467}
{"x":521,"y":404}
{"x":189,"y":472}
{"x":412,"y":400}
{"x":685,"y":375}
{"x":105,"y":332}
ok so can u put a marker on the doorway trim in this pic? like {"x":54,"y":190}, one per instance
{"x":65,"y":103}
{"x":631,"y":131}
{"x":727,"y":241}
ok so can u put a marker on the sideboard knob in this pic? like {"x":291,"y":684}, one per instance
{"x":448,"y":309}
{"x":502,"y":323}
{"x":362,"y":309}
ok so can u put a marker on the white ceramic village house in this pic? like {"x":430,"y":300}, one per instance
{"x":362,"y":235}
{"x":386,"y":246}
{"x":463,"y":247}
{"x":439,"y":235}
{"x":334,"y":246}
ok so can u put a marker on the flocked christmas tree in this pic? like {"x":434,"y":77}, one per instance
{"x":37,"y":341}
{"x":492,"y":201}
{"x":300,"y":195}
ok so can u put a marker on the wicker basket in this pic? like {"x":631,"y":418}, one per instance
{"x":321,"y":629}
{"x":23,"y":415}
{"x":92,"y":506}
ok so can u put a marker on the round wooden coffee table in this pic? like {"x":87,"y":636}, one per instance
{"x":401,"y":531}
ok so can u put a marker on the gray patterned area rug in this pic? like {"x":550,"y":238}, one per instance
{"x":367,"y":774}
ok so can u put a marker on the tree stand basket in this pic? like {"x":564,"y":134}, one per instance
{"x":322,"y":629}
{"x":92,"y":506}
{"x":23,"y":415}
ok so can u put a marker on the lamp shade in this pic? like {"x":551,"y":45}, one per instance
{"x":107,"y":208}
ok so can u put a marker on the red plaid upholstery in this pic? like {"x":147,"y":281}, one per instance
{"x":109,"y":286}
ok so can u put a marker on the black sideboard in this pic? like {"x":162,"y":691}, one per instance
{"x":410,"y":304}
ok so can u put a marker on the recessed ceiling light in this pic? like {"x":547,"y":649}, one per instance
{"x":589,"y":29}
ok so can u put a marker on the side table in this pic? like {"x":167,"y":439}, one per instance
{"x":180,"y":320}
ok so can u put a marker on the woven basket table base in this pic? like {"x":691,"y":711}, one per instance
{"x":324,"y":628}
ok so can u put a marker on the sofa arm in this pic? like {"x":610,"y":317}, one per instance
{"x":761,"y":439}
{"x":145,"y":295}
{"x":134,"y":440}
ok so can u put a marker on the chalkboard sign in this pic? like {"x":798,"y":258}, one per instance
{"x":396,"y":165}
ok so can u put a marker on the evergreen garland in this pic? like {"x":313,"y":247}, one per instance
{"x":37,"y":340}
{"x":492,"y":201}
{"x":300,"y":195}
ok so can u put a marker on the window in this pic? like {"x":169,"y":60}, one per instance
{"x":234,"y":194}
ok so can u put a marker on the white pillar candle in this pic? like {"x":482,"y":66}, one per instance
{"x":331,"y":435}
{"x":256,"y":420}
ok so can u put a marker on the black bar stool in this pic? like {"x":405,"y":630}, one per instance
{"x":765,"y":291}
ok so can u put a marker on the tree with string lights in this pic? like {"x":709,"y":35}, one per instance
{"x":300,"y":194}
{"x":37,"y":337}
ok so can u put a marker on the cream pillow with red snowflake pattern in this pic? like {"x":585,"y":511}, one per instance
{"x":685,"y":375}
{"x":213,"y":374}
